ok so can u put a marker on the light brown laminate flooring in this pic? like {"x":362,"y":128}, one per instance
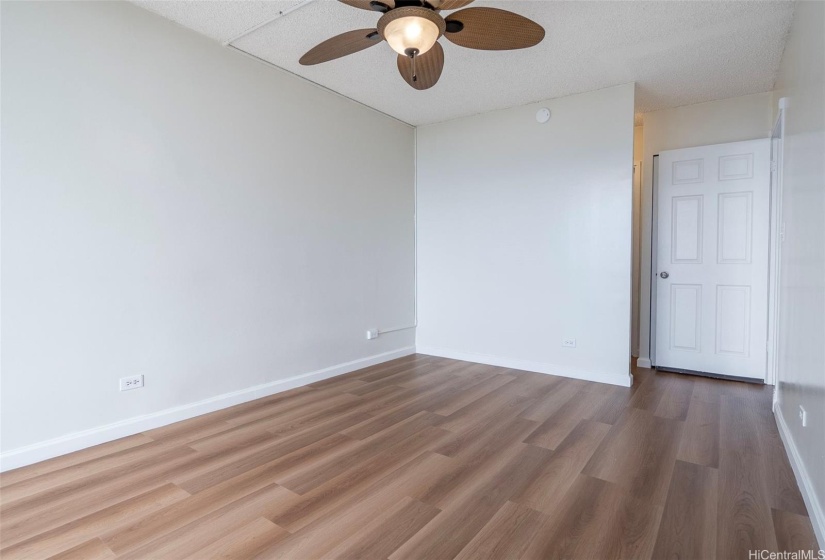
{"x":430,"y":458}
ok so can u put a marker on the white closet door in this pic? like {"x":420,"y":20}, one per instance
{"x":712,"y":259}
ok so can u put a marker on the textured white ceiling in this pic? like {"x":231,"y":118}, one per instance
{"x":678,"y":52}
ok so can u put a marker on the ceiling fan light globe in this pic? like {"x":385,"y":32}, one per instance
{"x":411,"y":32}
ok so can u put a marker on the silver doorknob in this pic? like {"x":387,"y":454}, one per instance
{"x":664,"y":274}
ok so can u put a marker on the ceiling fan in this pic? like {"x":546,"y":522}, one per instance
{"x":412,"y":28}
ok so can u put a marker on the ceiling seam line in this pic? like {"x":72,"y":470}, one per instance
{"x":255,"y":27}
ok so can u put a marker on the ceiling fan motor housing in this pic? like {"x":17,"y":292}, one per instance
{"x":386,"y":29}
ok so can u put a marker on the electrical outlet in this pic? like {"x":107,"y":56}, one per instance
{"x":568,"y":342}
{"x":372,"y":333}
{"x":803,"y":416}
{"x":131,"y":382}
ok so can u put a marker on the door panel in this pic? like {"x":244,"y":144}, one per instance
{"x":712,"y":243}
{"x":733,"y":319}
{"x":688,"y":171}
{"x":735,"y":167}
{"x":735,"y":218}
{"x":686,"y":244}
{"x":686,"y":317}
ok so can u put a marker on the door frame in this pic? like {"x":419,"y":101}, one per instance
{"x":777,"y":233}
{"x":636,"y":276}
{"x":774,"y":246}
{"x":654,"y":261}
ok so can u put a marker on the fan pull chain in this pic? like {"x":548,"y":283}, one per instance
{"x":412,"y":53}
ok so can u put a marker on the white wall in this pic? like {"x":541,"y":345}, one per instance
{"x":175,"y":209}
{"x":801,"y":371}
{"x":524,"y":236}
{"x":715,"y":122}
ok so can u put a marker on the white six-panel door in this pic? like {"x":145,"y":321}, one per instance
{"x":712,"y":259}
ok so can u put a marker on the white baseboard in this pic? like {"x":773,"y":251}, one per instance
{"x":41,"y":451}
{"x":621,"y":379}
{"x":644,"y":363}
{"x":802,"y":478}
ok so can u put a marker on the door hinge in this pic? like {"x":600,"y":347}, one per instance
{"x":773,"y":167}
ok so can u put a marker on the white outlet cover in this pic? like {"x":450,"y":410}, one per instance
{"x":131,"y":382}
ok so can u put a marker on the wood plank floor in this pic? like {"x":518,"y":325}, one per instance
{"x":429,"y":458}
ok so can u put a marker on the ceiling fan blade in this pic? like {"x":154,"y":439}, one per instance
{"x":491,"y":29}
{"x":428,"y":68}
{"x":367,"y":4}
{"x":341,"y":45}
{"x":450,"y":4}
